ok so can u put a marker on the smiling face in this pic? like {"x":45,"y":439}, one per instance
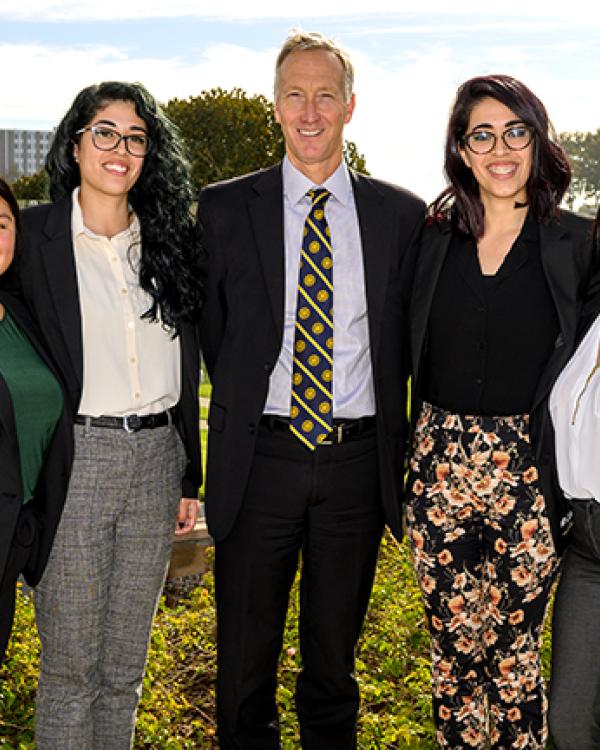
{"x":8,"y":232}
{"x":312,"y":110}
{"x":114,"y":172}
{"x":501,"y":174}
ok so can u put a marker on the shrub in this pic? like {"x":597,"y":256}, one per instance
{"x":177,"y":708}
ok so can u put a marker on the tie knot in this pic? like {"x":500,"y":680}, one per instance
{"x":318,"y":195}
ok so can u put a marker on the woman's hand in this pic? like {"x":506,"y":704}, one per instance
{"x":187,"y":515}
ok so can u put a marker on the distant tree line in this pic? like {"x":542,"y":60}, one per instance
{"x":584,"y":153}
{"x":32,"y":187}
{"x":226,"y":133}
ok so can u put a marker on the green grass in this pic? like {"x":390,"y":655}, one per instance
{"x":177,"y":707}
{"x":204,"y":390}
{"x":204,"y":393}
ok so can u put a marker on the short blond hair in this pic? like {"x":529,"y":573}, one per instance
{"x":299,"y":41}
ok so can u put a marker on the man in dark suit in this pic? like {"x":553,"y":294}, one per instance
{"x":303,"y":339}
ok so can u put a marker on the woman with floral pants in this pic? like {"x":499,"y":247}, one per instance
{"x":498,"y":281}
{"x":485,"y":561}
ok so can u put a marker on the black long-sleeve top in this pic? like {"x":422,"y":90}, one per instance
{"x":489,"y":337}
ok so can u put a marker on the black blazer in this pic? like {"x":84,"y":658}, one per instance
{"x":565,"y":247}
{"x":48,"y":280}
{"x":242,"y":324}
{"x":51,"y":487}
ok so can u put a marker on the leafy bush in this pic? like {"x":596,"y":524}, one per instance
{"x":177,"y":707}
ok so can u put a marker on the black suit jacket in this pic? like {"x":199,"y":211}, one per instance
{"x":51,"y":487}
{"x":48,"y":280}
{"x":242,"y":324}
{"x":565,"y":247}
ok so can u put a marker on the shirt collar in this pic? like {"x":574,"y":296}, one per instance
{"x":296,"y":185}
{"x":78,"y":227}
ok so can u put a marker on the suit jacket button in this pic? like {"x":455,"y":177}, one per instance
{"x":251,"y":428}
{"x":267,"y":367}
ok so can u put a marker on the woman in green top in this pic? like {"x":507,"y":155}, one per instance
{"x":35,"y":438}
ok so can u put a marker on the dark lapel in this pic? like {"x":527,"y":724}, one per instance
{"x":370,"y":208}
{"x":558,"y":261}
{"x":467,"y":262}
{"x":11,"y":462}
{"x":8,"y":426}
{"x":58,"y":257}
{"x":266,"y":212}
{"x":11,"y":487}
{"x":432,"y":252}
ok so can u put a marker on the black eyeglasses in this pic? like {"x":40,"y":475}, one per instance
{"x":515,"y":138}
{"x":107,"y":139}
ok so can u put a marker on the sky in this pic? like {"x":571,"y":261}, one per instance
{"x":408,"y":61}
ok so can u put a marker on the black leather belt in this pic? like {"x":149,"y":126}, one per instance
{"x":129,"y":423}
{"x":343,"y":429}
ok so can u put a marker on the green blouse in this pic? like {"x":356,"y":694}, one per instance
{"x":36,"y":399}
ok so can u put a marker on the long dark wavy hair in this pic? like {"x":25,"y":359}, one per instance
{"x":8,"y":278}
{"x":171,"y":268}
{"x":550,"y":169}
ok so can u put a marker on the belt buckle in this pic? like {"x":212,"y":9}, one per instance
{"x":337,"y":433}
{"x":132,"y":423}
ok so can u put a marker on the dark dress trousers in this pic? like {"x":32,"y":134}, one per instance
{"x":26,"y":532}
{"x":48,"y":281}
{"x":566,"y":255}
{"x":254,"y":474}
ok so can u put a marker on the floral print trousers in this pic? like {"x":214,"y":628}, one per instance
{"x":485,"y":562}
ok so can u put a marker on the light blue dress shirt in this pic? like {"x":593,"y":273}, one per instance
{"x":353,"y":394}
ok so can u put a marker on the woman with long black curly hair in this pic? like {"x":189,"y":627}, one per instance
{"x":111,"y":269}
{"x":500,"y":276}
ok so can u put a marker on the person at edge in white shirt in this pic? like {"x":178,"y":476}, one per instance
{"x":574,"y":713}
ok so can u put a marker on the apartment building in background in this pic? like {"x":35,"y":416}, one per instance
{"x":23,"y":152}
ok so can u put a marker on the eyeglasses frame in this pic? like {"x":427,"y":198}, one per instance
{"x":125,"y":138}
{"x":465,"y":140}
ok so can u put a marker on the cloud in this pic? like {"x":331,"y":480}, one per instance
{"x":394,"y":107}
{"x":74,"y":10}
{"x":402,"y":105}
{"x":52,"y":75}
{"x":400,"y":118}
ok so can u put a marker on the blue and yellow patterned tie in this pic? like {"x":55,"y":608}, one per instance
{"x":311,"y":413}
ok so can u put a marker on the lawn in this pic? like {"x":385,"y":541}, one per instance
{"x":177,"y":708}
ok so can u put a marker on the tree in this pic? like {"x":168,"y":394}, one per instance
{"x":228,"y":133}
{"x":584,"y":153}
{"x":32,"y":187}
{"x":353,"y":158}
